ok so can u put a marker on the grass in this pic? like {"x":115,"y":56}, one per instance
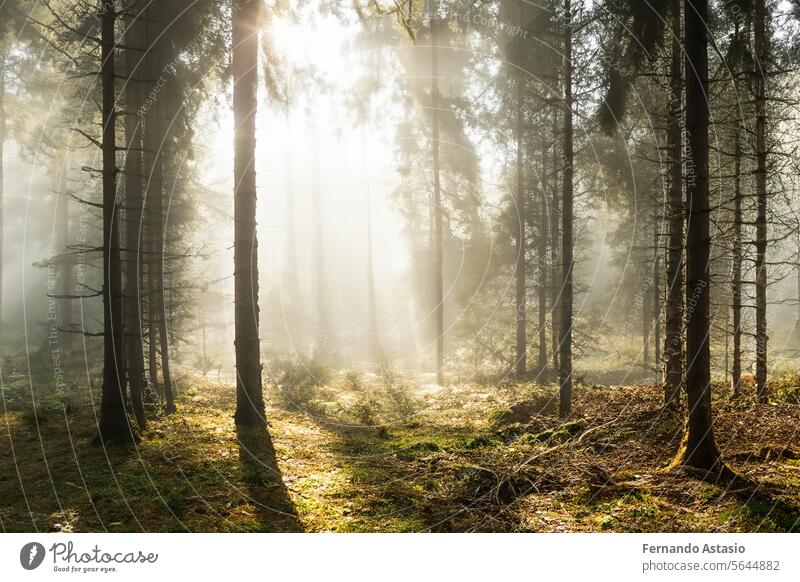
{"x":374,"y":453}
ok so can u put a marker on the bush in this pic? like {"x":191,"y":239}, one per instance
{"x":300,"y":382}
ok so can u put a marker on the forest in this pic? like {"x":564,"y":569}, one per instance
{"x":399,"y":266}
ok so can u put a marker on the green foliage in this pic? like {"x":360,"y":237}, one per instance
{"x":301,"y":381}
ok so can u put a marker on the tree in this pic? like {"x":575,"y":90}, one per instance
{"x":134,"y":201}
{"x":760,"y":81}
{"x":437,"y":249}
{"x":244,"y":65}
{"x":673,"y":336}
{"x":698,"y":449}
{"x":567,"y":261}
{"x":114,"y":424}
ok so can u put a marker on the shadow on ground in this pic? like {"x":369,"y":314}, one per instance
{"x":264,"y":482}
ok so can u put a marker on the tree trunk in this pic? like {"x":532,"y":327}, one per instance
{"x":376,"y":350}
{"x":698,"y":449}
{"x":520,"y":265}
{"x":673,"y":337}
{"x":555,"y":238}
{"x":657,"y":297}
{"x":244,"y":63}
{"x":761,"y":201}
{"x":736,"y":283}
{"x":324,"y":339}
{"x":2,"y":178}
{"x":114,"y":424}
{"x":565,"y":298}
{"x":542,"y":238}
{"x":62,"y":242}
{"x":154,"y":144}
{"x":133,"y":224}
{"x":645,"y":317}
{"x":438,"y":252}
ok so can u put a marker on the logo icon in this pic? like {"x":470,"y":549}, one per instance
{"x":31,"y":555}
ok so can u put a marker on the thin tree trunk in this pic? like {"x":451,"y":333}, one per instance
{"x":565,"y":298}
{"x":2,"y":178}
{"x":645,"y":318}
{"x":657,"y":297}
{"x":244,"y":61}
{"x":62,"y":241}
{"x":736,"y":283}
{"x":114,"y":423}
{"x":154,"y":144}
{"x":133,"y":212}
{"x":324,"y":339}
{"x":542,"y":238}
{"x":555,"y":238}
{"x":698,"y":449}
{"x":673,"y":337}
{"x":520,"y":265}
{"x":761,"y":200}
{"x":376,"y":350}
{"x":438,"y":252}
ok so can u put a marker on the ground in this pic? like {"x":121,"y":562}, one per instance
{"x":375,"y":453}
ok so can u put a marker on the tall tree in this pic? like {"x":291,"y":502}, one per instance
{"x":699,"y":448}
{"x":567,"y":261}
{"x":673,"y":326}
{"x":437,"y":247}
{"x":134,"y":201}
{"x":244,"y":64}
{"x":114,"y":424}
{"x":760,"y":82}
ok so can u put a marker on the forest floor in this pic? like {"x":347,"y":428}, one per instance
{"x":365,"y":453}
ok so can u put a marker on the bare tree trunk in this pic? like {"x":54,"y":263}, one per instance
{"x":324,"y":339}
{"x":657,"y":297}
{"x":62,"y":241}
{"x":698,"y":449}
{"x":438,"y":252}
{"x":133,"y":212}
{"x":376,"y":350}
{"x":244,"y":61}
{"x":645,"y":317}
{"x":520,"y":265}
{"x":2,"y":178}
{"x":555,"y":255}
{"x":542,"y":238}
{"x":154,"y":142}
{"x":673,"y":336}
{"x":761,"y":200}
{"x":736,"y":282}
{"x":565,"y":299}
{"x":114,"y":423}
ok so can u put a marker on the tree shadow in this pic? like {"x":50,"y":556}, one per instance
{"x":274,"y":507}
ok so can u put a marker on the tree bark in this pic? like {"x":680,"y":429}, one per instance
{"x":519,"y":234}
{"x":565,"y":297}
{"x":438,"y":252}
{"x":657,"y":297}
{"x":244,"y":63}
{"x":2,"y":178}
{"x":154,"y":144}
{"x":761,"y":201}
{"x":542,"y":239}
{"x":698,"y":449}
{"x":62,"y":242}
{"x":114,"y":424}
{"x":555,"y":243}
{"x":673,"y":336}
{"x":736,"y":282}
{"x":133,"y":212}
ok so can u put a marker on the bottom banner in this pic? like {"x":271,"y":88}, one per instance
{"x":355,"y":557}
